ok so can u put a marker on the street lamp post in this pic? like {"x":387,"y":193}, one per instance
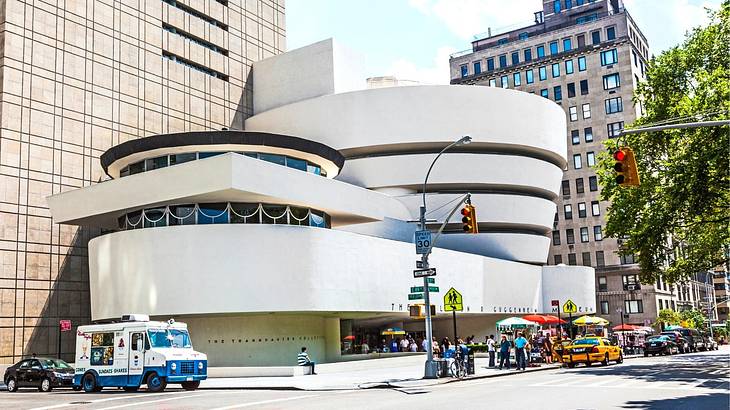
{"x":709,"y":290}
{"x":431,"y":370}
{"x":623,"y":337}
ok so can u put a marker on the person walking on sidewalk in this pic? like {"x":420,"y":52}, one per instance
{"x":304,"y":360}
{"x":504,"y":347}
{"x":520,"y":344}
{"x":491,"y":350}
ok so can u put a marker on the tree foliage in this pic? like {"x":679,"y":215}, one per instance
{"x":694,"y":318}
{"x":668,"y":317}
{"x":676,"y":221}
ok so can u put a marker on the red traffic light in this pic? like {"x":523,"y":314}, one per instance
{"x":619,"y":155}
{"x":465,"y":211}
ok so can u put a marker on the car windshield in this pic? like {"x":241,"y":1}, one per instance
{"x":657,"y":339}
{"x":593,"y":342}
{"x":54,"y":364}
{"x":169,"y":338}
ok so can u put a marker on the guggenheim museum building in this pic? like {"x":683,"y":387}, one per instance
{"x":298,"y":230}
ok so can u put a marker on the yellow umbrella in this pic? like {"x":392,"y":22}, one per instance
{"x":590,"y":320}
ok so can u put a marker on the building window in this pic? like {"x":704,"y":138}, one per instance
{"x":581,"y":63}
{"x":558,"y":93}
{"x":614,"y":129}
{"x":504,"y":40}
{"x":571,"y":259}
{"x":556,"y":70}
{"x":596,"y":37}
{"x":611,"y":81}
{"x":600,"y":261}
{"x":586,"y":259}
{"x":595,"y":208}
{"x":581,"y":40}
{"x":477,"y":67}
{"x":504,"y":81}
{"x":636,"y":60}
{"x":633,"y":306}
{"x":592,"y":184}
{"x":575,"y":137}
{"x":544,"y":93}
{"x":542,"y":72}
{"x":583,"y":87}
{"x":516,"y":79}
{"x":490,"y":64}
{"x":573,"y":111}
{"x":556,"y":6}
{"x":627,"y":259}
{"x":558,"y":259}
{"x":568,"y":4}
{"x":568,"y":211}
{"x":492,"y":82}
{"x":597,"y":233}
{"x":577,"y":162}
{"x":528,"y":54}
{"x":540,"y":51}
{"x":569,"y":236}
{"x":571,"y":90}
{"x":609,"y":57}
{"x":611,"y":33}
{"x":579,"y":185}
{"x":604,"y":307}
{"x":567,"y":45}
{"x":464,"y":71}
{"x":529,"y":77}
{"x":602,"y":284}
{"x":556,"y":238}
{"x":503,"y":61}
{"x":584,"y":234}
{"x":568,"y":66}
{"x":586,"y":111}
{"x":591,"y":159}
{"x":588,"y":134}
{"x":566,"y":189}
{"x":553,"y":47}
{"x":582,"y":209}
{"x":614,"y":105}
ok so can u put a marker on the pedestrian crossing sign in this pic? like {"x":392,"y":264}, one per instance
{"x":453,"y":301}
{"x":569,"y":307}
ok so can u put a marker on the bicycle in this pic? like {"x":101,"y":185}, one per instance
{"x":458,"y":366}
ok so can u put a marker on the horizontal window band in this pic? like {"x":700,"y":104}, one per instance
{"x":496,"y":227}
{"x":195,"y":66}
{"x":194,"y":39}
{"x":493,"y":189}
{"x":196,"y":13}
{"x":485,"y":148}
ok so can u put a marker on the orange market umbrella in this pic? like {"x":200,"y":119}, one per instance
{"x":622,"y":328}
{"x":544,"y":319}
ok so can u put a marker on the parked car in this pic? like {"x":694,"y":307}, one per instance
{"x":41,"y":373}
{"x":712,"y":344}
{"x":694,"y":339}
{"x":591,"y":350}
{"x":660,"y":344}
{"x":681,"y":342}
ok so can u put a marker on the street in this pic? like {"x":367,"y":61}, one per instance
{"x":691,"y":381}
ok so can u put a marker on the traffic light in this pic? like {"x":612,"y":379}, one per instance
{"x":625,"y":167}
{"x":469,"y":219}
{"x":419,"y":310}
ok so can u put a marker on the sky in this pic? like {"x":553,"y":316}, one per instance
{"x":412,"y":39}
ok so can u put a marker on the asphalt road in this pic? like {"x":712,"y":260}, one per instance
{"x":691,"y":381}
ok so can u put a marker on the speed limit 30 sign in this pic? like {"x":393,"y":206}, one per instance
{"x":423,"y":242}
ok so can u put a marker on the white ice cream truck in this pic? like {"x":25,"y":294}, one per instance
{"x":137,"y":351}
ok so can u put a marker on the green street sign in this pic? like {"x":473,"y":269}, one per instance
{"x":431,"y":280}
{"x":416,"y":289}
{"x":415,"y":296}
{"x":433,"y":288}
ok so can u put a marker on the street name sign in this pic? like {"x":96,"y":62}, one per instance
{"x":419,"y":273}
{"x":423,"y":241}
{"x":570,"y":307}
{"x":431,"y":280}
{"x":415,"y":289}
{"x":415,"y":296}
{"x":453,"y":301}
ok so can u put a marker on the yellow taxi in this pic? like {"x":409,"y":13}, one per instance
{"x":591,"y":350}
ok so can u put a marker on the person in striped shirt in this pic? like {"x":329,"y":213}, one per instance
{"x":303,"y":359}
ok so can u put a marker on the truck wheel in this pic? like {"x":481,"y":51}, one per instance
{"x":11,"y":384}
{"x":45,"y":386}
{"x":190,"y":385}
{"x":89,"y":384}
{"x":156,"y":383}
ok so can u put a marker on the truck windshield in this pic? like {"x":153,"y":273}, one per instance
{"x":169,"y":338}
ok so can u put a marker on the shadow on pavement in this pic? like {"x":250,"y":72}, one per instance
{"x":720,"y":401}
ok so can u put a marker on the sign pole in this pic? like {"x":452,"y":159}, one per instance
{"x":570,"y":325}
{"x":59,"y":340}
{"x":560,"y":325}
{"x":431,"y":371}
{"x":455,"y":334}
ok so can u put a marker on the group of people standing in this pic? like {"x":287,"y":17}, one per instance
{"x":523,"y":347}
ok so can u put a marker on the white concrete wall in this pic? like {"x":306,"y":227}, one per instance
{"x":576,"y":283}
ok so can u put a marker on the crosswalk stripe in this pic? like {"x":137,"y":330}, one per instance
{"x":556,"y":382}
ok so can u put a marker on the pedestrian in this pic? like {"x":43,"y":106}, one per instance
{"x":413,"y":347}
{"x":520,"y":344}
{"x":491,"y":350}
{"x":394,"y":345}
{"x":548,"y":351}
{"x":364,"y":347}
{"x":304,"y":360}
{"x":436,"y":348}
{"x":504,"y":347}
{"x":404,"y":344}
{"x":383,"y":346}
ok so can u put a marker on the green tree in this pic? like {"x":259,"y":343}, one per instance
{"x":694,"y":318}
{"x":667,"y":317}
{"x":676,"y":221}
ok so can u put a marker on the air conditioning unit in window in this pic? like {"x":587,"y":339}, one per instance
{"x":632,"y":287}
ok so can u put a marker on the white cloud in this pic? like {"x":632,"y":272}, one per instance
{"x":467,"y":18}
{"x":438,"y":73}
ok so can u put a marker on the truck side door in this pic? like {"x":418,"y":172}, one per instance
{"x":136,"y":355}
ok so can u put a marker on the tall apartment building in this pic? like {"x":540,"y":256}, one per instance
{"x":721,"y":282}
{"x":587,"y":56}
{"x":79,"y":77}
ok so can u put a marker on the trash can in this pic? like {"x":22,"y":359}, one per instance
{"x":470,"y":369}
{"x":443,"y":367}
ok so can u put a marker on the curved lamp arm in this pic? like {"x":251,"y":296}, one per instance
{"x":461,"y":141}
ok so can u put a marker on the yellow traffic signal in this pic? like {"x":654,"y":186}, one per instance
{"x":419,"y":310}
{"x":469,"y":219}
{"x":626,"y":172}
